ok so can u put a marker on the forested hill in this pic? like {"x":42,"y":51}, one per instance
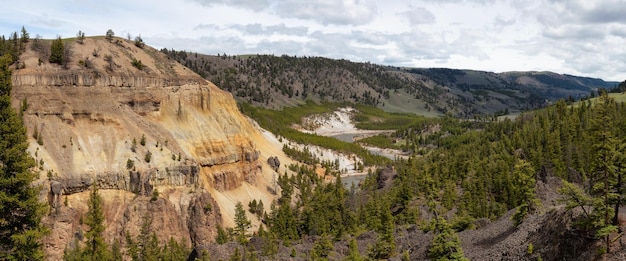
{"x":277,"y":81}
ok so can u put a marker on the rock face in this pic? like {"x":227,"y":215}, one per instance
{"x":132,"y":132}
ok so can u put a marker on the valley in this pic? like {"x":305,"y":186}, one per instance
{"x":307,"y":158}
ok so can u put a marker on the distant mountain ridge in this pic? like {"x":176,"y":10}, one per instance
{"x":277,"y":81}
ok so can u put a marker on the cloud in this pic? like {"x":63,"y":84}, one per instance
{"x":419,"y":15}
{"x":257,"y":29}
{"x":579,"y":37}
{"x":255,"y":5}
{"x":504,"y":22}
{"x":326,"y":12}
{"x":482,"y":2}
{"x":619,"y":31}
{"x":47,"y":21}
{"x":604,"y":12}
{"x":370,"y":38}
{"x":576,"y":32}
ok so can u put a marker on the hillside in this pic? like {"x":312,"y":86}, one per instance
{"x":158,"y":140}
{"x":174,"y":155}
{"x":274,"y":82}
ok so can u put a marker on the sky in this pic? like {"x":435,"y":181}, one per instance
{"x":579,"y":37}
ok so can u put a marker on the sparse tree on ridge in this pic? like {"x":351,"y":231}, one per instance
{"x":80,"y":36}
{"x":24,"y":37}
{"x":139,"y":42}
{"x":57,"y":51}
{"x":109,"y":35}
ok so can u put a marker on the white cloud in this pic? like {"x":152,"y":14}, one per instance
{"x":419,"y":15}
{"x":339,"y":12}
{"x":577,"y":37}
{"x":256,"y":5}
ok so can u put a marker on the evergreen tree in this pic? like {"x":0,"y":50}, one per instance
{"x":322,"y":247}
{"x":24,"y":36}
{"x":603,"y":175}
{"x":242,"y":223}
{"x":109,"y":35}
{"x":20,"y":209}
{"x":222,"y":236}
{"x":524,"y":176}
{"x":175,"y":251}
{"x":354,"y":254}
{"x":146,"y":245}
{"x":57,"y":51}
{"x":446,"y":245}
{"x":95,"y":247}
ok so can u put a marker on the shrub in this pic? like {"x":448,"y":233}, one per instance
{"x":139,"y":42}
{"x":148,"y":157}
{"x":130,"y":164}
{"x":138,"y":64}
{"x":110,"y":62}
{"x":155,"y":195}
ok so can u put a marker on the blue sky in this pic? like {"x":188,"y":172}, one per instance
{"x":580,"y":37}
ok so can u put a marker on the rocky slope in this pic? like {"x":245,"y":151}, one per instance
{"x":161,"y":143}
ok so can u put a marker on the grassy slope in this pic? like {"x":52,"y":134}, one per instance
{"x":403,"y":102}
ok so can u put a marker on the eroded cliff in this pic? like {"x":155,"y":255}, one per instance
{"x":161,"y":143}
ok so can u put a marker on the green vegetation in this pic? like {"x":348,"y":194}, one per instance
{"x":242,"y":223}
{"x":478,"y":169}
{"x":148,"y":157}
{"x":446,"y":245}
{"x":372,"y":118}
{"x":20,"y":209}
{"x":95,"y":247}
{"x":380,"y":141}
{"x":145,"y":246}
{"x":57,"y":48}
{"x":137,"y":64}
{"x":280,"y":123}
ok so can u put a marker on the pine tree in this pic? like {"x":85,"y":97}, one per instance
{"x":354,"y":254}
{"x":242,"y":223}
{"x":524,"y":191}
{"x":57,"y":50}
{"x":95,"y":248}
{"x":446,"y":244}
{"x":222,"y":236}
{"x":20,"y":209}
{"x":603,"y":171}
{"x":322,"y":247}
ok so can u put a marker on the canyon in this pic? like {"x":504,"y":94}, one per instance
{"x":161,"y":143}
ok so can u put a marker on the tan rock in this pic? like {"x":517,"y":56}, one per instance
{"x":199,"y":149}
